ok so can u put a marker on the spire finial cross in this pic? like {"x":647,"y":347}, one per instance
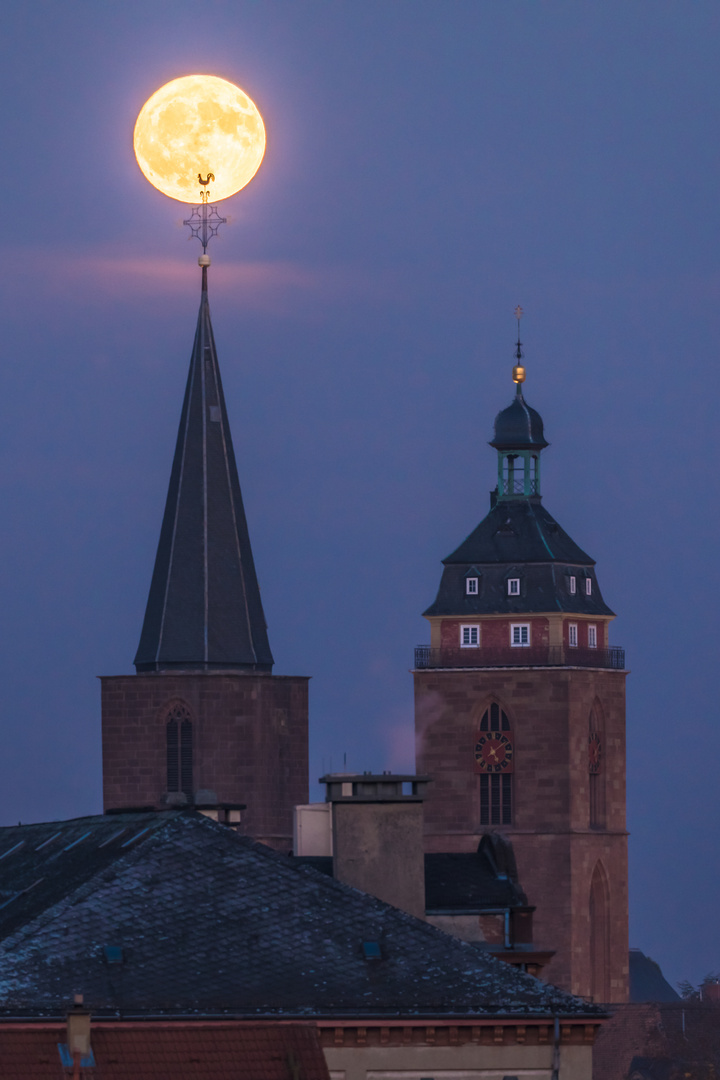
{"x":204,"y":222}
{"x":518,"y":370}
{"x":518,"y":316}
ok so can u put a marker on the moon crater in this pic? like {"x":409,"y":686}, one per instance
{"x":199,"y":124}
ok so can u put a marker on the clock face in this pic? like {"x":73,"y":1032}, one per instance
{"x":594,"y":752}
{"x":493,"y":752}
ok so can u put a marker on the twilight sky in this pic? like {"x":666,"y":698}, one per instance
{"x":430,"y":165}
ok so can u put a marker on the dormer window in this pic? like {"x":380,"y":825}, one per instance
{"x":513,"y":586}
{"x":588,"y":586}
{"x":471,"y":586}
{"x":572,"y":584}
{"x":469,"y":637}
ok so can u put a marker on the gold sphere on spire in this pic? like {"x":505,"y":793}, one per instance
{"x":518,"y":370}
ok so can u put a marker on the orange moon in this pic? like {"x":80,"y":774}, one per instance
{"x":199,"y":124}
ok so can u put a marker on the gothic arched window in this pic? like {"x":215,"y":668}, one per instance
{"x":178,"y":743}
{"x":596,"y":770}
{"x":494,"y":753}
{"x":599,"y":935}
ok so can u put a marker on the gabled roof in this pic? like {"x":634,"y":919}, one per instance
{"x":210,"y":923}
{"x":519,"y":530}
{"x":204,"y":609}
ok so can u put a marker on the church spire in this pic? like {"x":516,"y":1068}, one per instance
{"x":204,"y":610}
{"x":519,"y":439}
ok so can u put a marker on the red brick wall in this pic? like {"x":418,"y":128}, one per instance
{"x":583,"y":635}
{"x":250,"y":743}
{"x":495,"y":633}
{"x":548,"y":710}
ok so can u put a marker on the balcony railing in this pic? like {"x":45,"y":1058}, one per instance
{"x":533,"y":656}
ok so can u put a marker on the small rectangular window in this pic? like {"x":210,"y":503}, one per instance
{"x":572,"y":634}
{"x":471,"y":586}
{"x":573,"y":585}
{"x":469,"y":637}
{"x":588,"y":586}
{"x":592,"y":637}
{"x":514,"y":586}
{"x":520,"y":635}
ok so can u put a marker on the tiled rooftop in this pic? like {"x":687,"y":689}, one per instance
{"x":659,"y":1041}
{"x":171,"y":914}
{"x":170,"y":1052}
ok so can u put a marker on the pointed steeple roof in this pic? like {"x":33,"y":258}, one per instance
{"x":204,"y":610}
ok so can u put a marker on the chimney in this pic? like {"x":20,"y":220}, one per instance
{"x":206,"y":803}
{"x":78,"y":1031}
{"x":377,"y":835}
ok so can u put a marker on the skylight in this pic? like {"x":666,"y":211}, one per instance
{"x":371,"y":950}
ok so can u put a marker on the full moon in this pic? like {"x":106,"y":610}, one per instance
{"x":199,"y":124}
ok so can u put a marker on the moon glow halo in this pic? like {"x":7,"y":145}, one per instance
{"x":199,"y":124}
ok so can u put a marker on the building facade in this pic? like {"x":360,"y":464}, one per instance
{"x":520,"y":717}
{"x":204,"y":719}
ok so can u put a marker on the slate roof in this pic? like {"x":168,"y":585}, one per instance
{"x":647,"y":982}
{"x":518,"y":538}
{"x":466,"y":881}
{"x":170,"y":1052}
{"x":519,"y":427}
{"x":204,"y":609}
{"x":210,"y":923}
{"x":519,"y":530}
{"x":454,"y":881}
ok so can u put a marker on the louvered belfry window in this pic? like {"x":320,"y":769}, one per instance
{"x":178,"y":742}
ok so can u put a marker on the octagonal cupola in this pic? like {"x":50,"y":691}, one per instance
{"x":519,"y":439}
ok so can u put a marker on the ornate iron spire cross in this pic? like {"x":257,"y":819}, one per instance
{"x":204,"y":221}
{"x":518,"y":316}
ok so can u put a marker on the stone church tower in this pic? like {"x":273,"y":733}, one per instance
{"x":520,"y":717}
{"x":204,"y":713}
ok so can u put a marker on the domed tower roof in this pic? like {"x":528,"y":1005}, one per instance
{"x":519,"y":427}
{"x":519,"y":539}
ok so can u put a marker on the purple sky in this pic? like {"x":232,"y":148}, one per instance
{"x":429,"y":167}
